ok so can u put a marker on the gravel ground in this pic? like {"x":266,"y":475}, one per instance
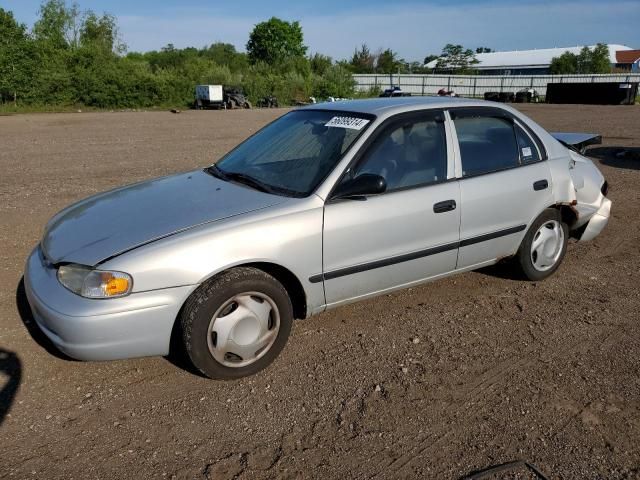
{"x":435,"y":381}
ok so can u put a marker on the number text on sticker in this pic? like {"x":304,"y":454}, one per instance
{"x":347,"y":122}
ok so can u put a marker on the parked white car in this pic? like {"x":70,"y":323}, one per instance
{"x":329,"y":204}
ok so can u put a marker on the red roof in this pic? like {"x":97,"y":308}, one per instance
{"x":627,"y":56}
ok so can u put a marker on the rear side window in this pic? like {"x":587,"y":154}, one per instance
{"x":487,"y":144}
{"x":528,"y":150}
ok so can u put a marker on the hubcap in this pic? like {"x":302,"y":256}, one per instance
{"x":243,"y":329}
{"x":547,"y":245}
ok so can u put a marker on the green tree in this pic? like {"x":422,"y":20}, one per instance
{"x":335,"y":81}
{"x":430,"y":58}
{"x":363,"y":61}
{"x":226,"y":54}
{"x":275,"y":41}
{"x":100,"y":32}
{"x":565,"y":64}
{"x":388,"y":62}
{"x":58,"y":25}
{"x":457,"y":59}
{"x":320,"y":63}
{"x":583,"y":61}
{"x":483,"y":50}
{"x":588,"y":61}
{"x":600,"y":62}
{"x":16,"y":63}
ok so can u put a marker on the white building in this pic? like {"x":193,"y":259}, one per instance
{"x":529,"y":62}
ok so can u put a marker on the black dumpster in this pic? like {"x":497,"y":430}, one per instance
{"x":504,"y":97}
{"x":605,"y":93}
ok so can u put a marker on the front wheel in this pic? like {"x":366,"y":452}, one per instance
{"x":237,"y":323}
{"x":544,"y":246}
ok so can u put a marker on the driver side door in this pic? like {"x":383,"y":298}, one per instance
{"x":405,"y":235}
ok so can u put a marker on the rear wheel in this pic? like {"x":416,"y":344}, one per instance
{"x":237,"y":323}
{"x":544,"y":246}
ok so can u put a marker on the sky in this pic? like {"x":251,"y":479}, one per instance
{"x":412,"y":28}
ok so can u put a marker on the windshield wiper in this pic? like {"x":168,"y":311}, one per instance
{"x":240,"y":178}
{"x":251,"y":182}
{"x":216,"y":172}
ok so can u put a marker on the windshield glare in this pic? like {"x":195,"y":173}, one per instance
{"x":296,"y":152}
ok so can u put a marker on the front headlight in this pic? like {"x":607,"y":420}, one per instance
{"x":90,"y":283}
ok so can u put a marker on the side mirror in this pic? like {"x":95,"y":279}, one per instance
{"x":365,"y":184}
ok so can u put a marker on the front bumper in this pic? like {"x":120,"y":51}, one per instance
{"x":598,"y":221}
{"x":137,"y":325}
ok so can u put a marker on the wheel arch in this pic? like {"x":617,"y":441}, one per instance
{"x":286,"y":277}
{"x":289,"y":281}
{"x":568,"y":213}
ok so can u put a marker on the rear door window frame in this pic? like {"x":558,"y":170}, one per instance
{"x":461,"y":112}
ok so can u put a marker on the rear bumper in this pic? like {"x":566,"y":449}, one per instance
{"x":87,"y":329}
{"x":597,"y":222}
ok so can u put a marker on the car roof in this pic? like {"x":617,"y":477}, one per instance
{"x":392,"y":105}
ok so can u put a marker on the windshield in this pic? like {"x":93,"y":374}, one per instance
{"x":292,"y":155}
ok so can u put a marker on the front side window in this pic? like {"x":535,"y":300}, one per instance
{"x":407,"y":154}
{"x":487,"y":144}
{"x":292,"y":155}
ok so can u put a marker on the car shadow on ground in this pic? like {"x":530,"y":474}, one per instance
{"x":504,"y":269}
{"x":11,"y":367}
{"x":178,"y":356}
{"x":24,"y":310}
{"x":618,"y":157}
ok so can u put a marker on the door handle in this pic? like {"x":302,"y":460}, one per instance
{"x":540,"y":185}
{"x":445,"y":206}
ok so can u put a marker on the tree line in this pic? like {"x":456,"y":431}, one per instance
{"x":588,"y":61}
{"x":76,"y":57}
{"x":72,"y":56}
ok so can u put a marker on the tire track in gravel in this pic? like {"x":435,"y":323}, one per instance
{"x":490,"y":379}
{"x":487,"y":381}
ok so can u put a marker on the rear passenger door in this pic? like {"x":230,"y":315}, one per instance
{"x":505,"y":183}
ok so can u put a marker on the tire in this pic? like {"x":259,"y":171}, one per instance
{"x":231,"y":105}
{"x":247,"y":104}
{"x":537,"y":262}
{"x":224,"y":308}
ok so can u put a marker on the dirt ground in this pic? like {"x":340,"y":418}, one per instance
{"x":432,"y":382}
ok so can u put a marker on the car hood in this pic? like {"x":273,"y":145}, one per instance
{"x":108,"y":224}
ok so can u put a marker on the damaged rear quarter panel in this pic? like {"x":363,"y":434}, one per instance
{"x":576,"y":180}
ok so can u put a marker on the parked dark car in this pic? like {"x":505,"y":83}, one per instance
{"x":394,"y":92}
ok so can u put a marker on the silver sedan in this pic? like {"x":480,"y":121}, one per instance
{"x":328,"y":204}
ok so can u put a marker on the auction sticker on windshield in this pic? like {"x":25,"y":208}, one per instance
{"x":354,"y":123}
